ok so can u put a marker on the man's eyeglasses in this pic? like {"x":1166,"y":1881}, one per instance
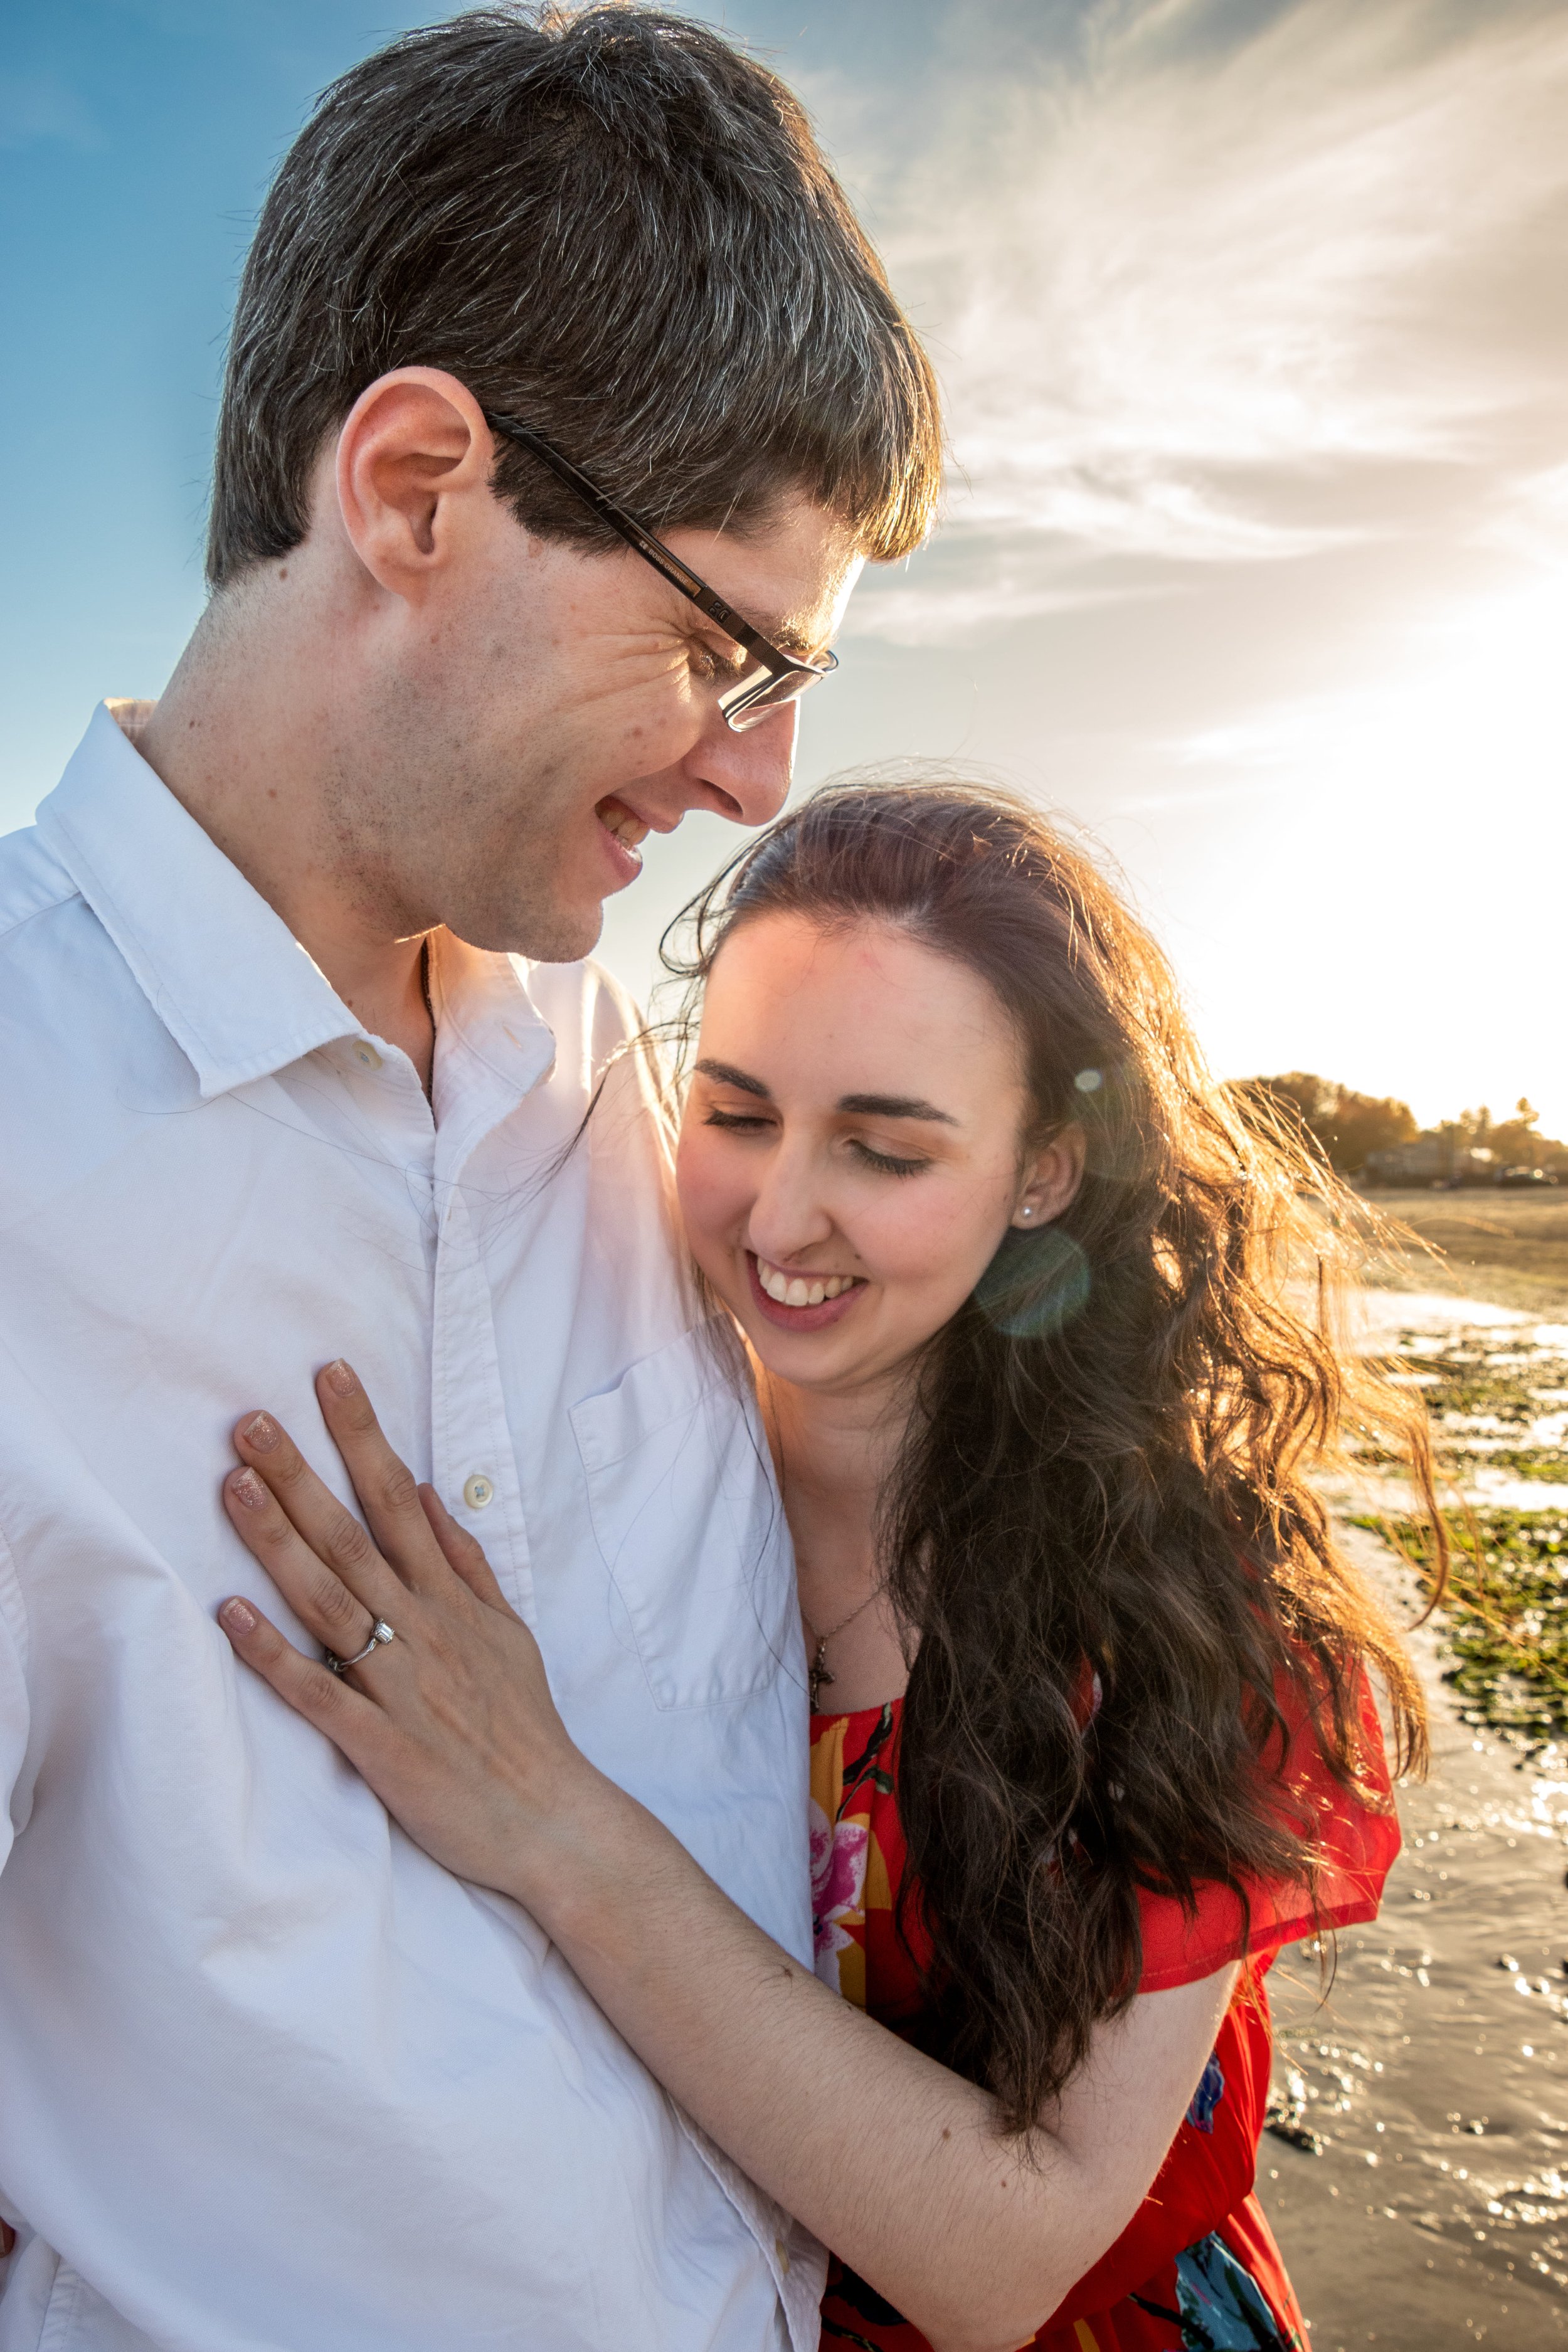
{"x":770,"y":677}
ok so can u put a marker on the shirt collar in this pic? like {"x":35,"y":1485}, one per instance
{"x":493,"y":1045}
{"x":223,"y":974}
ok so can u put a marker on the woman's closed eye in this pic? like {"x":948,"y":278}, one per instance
{"x":869,"y":1155}
{"x":887,"y":1163}
{"x":738,"y":1122}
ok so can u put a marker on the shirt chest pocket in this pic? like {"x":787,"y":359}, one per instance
{"x":688,"y":1521}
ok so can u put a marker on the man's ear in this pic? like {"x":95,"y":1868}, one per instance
{"x":412,"y":451}
{"x":1051,"y":1180}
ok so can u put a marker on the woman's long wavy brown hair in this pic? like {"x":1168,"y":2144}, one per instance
{"x":1111,"y":1454}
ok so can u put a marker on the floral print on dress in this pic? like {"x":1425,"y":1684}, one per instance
{"x":849,"y":1883}
{"x":1209,"y":2289}
{"x":839,"y":1850}
{"x":1208,"y":2095}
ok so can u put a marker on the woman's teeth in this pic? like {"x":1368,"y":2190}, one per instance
{"x":618,"y":819}
{"x":801,"y":1289}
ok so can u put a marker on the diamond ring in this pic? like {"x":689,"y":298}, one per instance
{"x":379,"y":1632}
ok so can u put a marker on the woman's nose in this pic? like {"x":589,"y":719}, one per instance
{"x":789,"y":1215}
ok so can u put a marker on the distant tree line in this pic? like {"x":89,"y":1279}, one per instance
{"x":1346,"y":1126}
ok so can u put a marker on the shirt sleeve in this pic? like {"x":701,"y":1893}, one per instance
{"x":1353,"y":1831}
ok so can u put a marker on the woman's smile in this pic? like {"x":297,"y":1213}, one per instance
{"x":801,"y":1302}
{"x":853,"y":1148}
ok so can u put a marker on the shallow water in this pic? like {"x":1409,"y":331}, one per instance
{"x":1434,"y":2078}
{"x":1379,"y":1318}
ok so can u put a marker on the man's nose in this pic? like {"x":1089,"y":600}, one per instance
{"x":748,"y":775}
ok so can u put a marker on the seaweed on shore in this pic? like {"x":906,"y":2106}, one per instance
{"x":1506,"y":1636}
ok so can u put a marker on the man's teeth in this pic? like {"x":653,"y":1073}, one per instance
{"x":620,"y":821}
{"x":801,"y":1289}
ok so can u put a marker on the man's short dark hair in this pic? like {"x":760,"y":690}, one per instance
{"x":609,"y":224}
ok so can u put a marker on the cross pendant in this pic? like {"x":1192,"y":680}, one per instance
{"x":817,"y":1676}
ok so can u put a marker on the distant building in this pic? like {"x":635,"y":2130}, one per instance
{"x":1431,"y":1159}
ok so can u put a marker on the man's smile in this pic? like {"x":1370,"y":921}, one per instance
{"x":629,"y":829}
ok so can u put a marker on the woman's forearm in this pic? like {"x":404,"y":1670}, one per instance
{"x":973,"y":2237}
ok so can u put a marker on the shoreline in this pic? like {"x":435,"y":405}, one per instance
{"x":1415,"y":2171}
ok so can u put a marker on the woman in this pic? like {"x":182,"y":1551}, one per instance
{"x":1093,"y":1734}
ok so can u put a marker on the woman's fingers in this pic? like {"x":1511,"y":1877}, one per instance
{"x":319,"y":1593}
{"x":386,"y":1487}
{"x":354,"y":1724}
{"x":338,"y":1540}
{"x":463,"y":1555}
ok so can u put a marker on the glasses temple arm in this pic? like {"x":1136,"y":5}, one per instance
{"x":636,"y":534}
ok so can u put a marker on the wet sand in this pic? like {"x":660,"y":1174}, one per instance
{"x":1509,"y":1247}
{"x":1434,"y":2078}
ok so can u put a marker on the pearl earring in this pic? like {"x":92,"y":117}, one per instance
{"x":1027,"y":1213}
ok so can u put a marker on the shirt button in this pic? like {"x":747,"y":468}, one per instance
{"x":366,"y":1054}
{"x":478,"y":1491}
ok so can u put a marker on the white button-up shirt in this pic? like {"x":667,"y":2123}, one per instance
{"x":270,"y":2078}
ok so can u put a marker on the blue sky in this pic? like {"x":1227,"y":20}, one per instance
{"x":1253,"y":322}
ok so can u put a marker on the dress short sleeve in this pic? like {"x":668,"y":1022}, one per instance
{"x":1355,"y":1833}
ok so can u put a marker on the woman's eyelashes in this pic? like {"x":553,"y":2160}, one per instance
{"x":738,"y":1122}
{"x":888,"y":1163}
{"x":756,"y":1122}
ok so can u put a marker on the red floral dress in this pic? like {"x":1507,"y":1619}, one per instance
{"x":1197,"y":2270}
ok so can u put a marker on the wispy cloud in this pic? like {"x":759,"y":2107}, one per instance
{"x":967,"y":583}
{"x":1532,"y":519}
{"x":1191,"y":277}
{"x":36,"y":108}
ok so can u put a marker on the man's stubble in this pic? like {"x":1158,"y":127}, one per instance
{"x":442,"y":827}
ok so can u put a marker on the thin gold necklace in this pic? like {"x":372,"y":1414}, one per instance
{"x":818,"y":1675}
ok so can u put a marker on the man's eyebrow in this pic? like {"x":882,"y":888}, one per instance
{"x":894,"y":1106}
{"x":725,"y":1074}
{"x":795,"y":641}
{"x":787,"y":638}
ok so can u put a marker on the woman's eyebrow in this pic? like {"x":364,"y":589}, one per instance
{"x":725,"y":1074}
{"x":894,"y":1106}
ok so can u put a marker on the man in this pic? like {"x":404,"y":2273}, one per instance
{"x":276,"y":1092}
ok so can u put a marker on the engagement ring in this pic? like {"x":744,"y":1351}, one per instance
{"x":379,"y":1632}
